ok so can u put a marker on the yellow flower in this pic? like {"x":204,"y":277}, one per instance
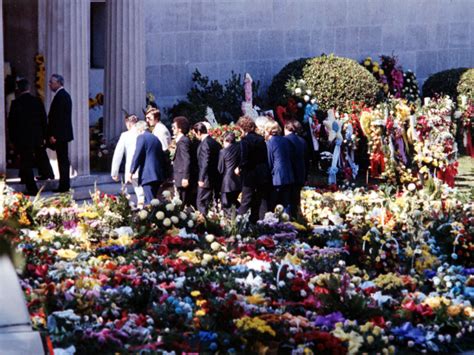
{"x":453,"y":310}
{"x":469,"y":312}
{"x":255,"y":299}
{"x":201,"y":313}
{"x":88,"y":215}
{"x":67,"y":254}
{"x":24,"y":221}
{"x":200,"y":303}
{"x":370,"y":339}
{"x":195,"y":293}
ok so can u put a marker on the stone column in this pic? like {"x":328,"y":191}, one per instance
{"x":124,"y":87}
{"x":67,"y":53}
{"x":3,"y":146}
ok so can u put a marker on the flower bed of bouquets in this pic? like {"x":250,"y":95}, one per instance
{"x":371,"y":271}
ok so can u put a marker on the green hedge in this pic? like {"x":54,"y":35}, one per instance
{"x":452,"y":82}
{"x":337,"y":82}
{"x":277,"y":91}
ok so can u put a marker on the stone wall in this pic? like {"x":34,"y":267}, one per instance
{"x":261,"y":36}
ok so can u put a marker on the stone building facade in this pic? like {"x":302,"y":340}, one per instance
{"x":155,"y":45}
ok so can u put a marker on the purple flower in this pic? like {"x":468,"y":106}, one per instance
{"x":329,"y":320}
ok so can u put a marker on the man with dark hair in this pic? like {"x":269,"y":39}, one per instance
{"x":27,"y":128}
{"x":148,"y":160}
{"x":208,"y":157}
{"x":254,"y":170}
{"x":229,"y":159}
{"x":300,"y":159}
{"x":60,"y":128}
{"x":184,"y":160}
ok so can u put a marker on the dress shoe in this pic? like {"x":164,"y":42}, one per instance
{"x":41,"y":177}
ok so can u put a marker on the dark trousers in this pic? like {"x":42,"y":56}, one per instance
{"x":295,"y":200}
{"x":150,"y":190}
{"x":43,"y":164}
{"x":254,"y":199}
{"x":229,"y":199}
{"x":281,"y":195}
{"x":203,"y":200}
{"x":187,"y":195}
{"x":62,"y":152}
{"x":26,"y":169}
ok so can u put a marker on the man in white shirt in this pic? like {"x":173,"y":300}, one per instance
{"x":126,"y":145}
{"x":153,"y":118}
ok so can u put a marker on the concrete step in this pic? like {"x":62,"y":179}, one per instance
{"x":81,"y":186}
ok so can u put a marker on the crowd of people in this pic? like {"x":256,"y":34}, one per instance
{"x":266,"y":167}
{"x":255,"y":174}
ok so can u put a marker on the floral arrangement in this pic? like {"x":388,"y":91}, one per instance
{"x":393,"y":81}
{"x":371,"y":271}
{"x":435,"y":146}
{"x":218,"y":132}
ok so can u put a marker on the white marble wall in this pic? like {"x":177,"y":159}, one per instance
{"x":261,"y":36}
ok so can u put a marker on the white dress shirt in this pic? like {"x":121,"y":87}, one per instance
{"x":163,"y":135}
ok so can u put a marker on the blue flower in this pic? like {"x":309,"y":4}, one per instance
{"x":408,"y":331}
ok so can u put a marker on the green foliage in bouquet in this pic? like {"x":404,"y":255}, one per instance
{"x":452,"y":82}
{"x":466,"y":84}
{"x":277,"y":92}
{"x":337,"y":82}
{"x":225,"y":100}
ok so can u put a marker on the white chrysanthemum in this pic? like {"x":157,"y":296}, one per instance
{"x":167,"y":222}
{"x":210,"y":238}
{"x":160,"y":215}
{"x":170,"y":207}
{"x":190,"y":224}
{"x":143,"y":214}
{"x":182,"y":215}
{"x":155,"y":202}
{"x":175,"y":220}
{"x":215,"y":246}
{"x":298,"y":91}
{"x":166,"y":194}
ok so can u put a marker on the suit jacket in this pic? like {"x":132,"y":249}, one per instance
{"x":27,"y":121}
{"x":229,"y":159}
{"x":280,"y":152}
{"x":208,"y":157}
{"x":126,"y":145}
{"x":60,"y":117}
{"x":148,"y":158}
{"x":254,"y":168}
{"x":300,"y":158}
{"x":184,"y":161}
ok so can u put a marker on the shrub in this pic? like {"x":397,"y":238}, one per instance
{"x":277,"y":91}
{"x":225,"y":100}
{"x":466,"y":84}
{"x":450,"y":82}
{"x":337,"y":82}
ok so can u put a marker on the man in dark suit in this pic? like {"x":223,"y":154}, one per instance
{"x":27,"y":128}
{"x":60,"y":128}
{"x":184,"y":162}
{"x":229,"y":159}
{"x":253,"y":168}
{"x":148,"y":159}
{"x":208,"y":177}
{"x":280,"y":153}
{"x":300,"y":163}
